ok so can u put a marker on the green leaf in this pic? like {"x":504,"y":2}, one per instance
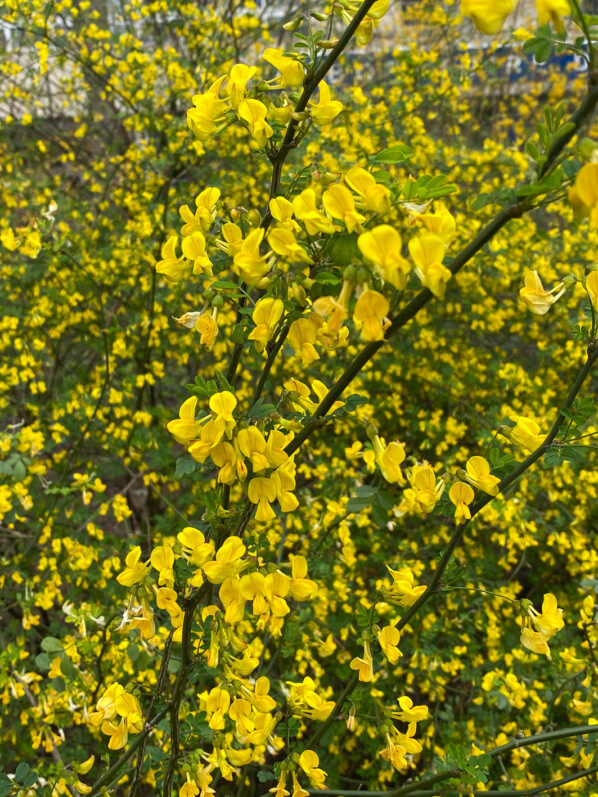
{"x":6,"y":785}
{"x":481,"y":201}
{"x":19,"y":471}
{"x":264,"y":777}
{"x":343,"y":250}
{"x":543,"y":51}
{"x":184,"y":466}
{"x":365,"y":491}
{"x":260,"y":410}
{"x":29,"y":780}
{"x":327,"y":278}
{"x":357,"y":505}
{"x":21,"y":771}
{"x":354,"y":401}
{"x":42,"y":661}
{"x":395,"y":154}
{"x":51,"y":645}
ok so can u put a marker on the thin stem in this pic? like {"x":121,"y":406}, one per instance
{"x":159,"y":686}
{"x":272,"y":354}
{"x":179,"y":687}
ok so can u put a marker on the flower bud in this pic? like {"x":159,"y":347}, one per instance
{"x":363,"y":275}
{"x":587,"y":149}
{"x":328,"y":178}
{"x":254,"y":218}
{"x":371,"y":431}
{"x":350,"y":274}
{"x":293,"y":24}
{"x":85,"y":766}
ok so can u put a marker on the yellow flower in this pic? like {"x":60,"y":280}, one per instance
{"x":423,"y":494}
{"x":410,"y":713}
{"x":301,"y":588}
{"x":339,"y":203}
{"x":189,"y":789}
{"x":478,"y":474}
{"x":488,"y":15}
{"x":335,"y":310}
{"x":207,"y":327}
{"x":252,"y":445}
{"x":162,"y":560}
{"x":389,"y":638}
{"x":552,"y":11}
{"x":236,"y":85}
{"x":185,"y":427}
{"x":309,"y":763}
{"x":326,"y":109}
{"x":538,"y":300}
{"x":228,"y":561}
{"x":403,"y":589}
{"x":262,"y":491}
{"x":135,"y":571}
{"x":526,"y":433}
{"x":195,"y":547}
{"x":461,"y":496}
{"x":382,"y":245}
{"x":374,"y":196}
{"x":222,"y":405}
{"x":247,"y":261}
{"x":370,"y":315}
{"x":211,"y":434}
{"x":306,"y":210}
{"x":291,"y":71}
{"x":208,"y":113}
{"x":550,"y":619}
{"x":282,"y":211}
{"x":389,"y":459}
{"x":427,"y":251}
{"x":302,"y":336}
{"x":266,"y":315}
{"x":365,"y":665}
{"x":282,"y":241}
{"x":442,"y":223}
{"x":231,"y":465}
{"x":254,"y":113}
{"x":584,"y":193}
{"x":171,"y":266}
{"x":534,"y":641}
{"x":194,"y":249}
{"x":592,"y":288}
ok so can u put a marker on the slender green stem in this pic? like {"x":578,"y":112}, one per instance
{"x":136,"y":783}
{"x":179,"y":687}
{"x":272,"y":354}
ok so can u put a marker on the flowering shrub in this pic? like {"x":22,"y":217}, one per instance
{"x":293,"y":433}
